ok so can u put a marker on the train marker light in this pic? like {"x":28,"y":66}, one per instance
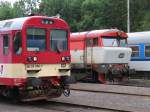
{"x":29,"y":59}
{"x":67,"y":58}
{"x":63,"y":58}
{"x":35,"y":58}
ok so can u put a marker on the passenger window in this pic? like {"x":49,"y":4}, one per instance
{"x":5,"y":44}
{"x":95,"y":42}
{"x":17,"y":43}
{"x":147,"y":51}
{"x":135,"y":51}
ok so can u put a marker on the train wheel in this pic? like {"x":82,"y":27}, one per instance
{"x":15,"y":95}
{"x":10,"y":93}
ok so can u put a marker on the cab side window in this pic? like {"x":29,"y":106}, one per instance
{"x":88,"y":42}
{"x":17,"y":42}
{"x":95,"y":41}
{"x":5,"y":44}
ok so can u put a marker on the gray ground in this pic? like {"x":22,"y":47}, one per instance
{"x":42,"y":106}
{"x":133,"y":90}
{"x":103,"y":100}
{"x":107,"y":100}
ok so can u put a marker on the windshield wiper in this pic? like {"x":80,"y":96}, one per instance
{"x":58,"y":48}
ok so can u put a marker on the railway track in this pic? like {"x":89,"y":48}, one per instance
{"x":111,"y":92}
{"x":91,"y":100}
{"x":84,"y":101}
{"x":136,"y":83}
{"x":108,"y":102}
{"x":88,"y":107}
{"x":114,"y":89}
{"x":54,"y":106}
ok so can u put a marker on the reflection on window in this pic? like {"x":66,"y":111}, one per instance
{"x":36,"y":39}
{"x":123,"y":43}
{"x":147,"y":51}
{"x":5,"y":44}
{"x":58,"y":40}
{"x":114,"y":42}
{"x":18,"y":43}
{"x":135,"y":51}
{"x":110,"y":42}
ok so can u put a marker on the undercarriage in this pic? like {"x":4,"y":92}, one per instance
{"x":37,"y":89}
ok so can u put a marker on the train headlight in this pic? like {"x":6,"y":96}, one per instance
{"x":110,"y":65}
{"x":63,"y":58}
{"x":35,"y":58}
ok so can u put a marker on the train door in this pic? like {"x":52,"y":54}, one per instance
{"x":88,"y":51}
{"x":90,"y":44}
{"x":88,"y":59}
{"x":17,"y":46}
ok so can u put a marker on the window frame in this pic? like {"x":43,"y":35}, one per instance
{"x":4,"y":53}
{"x":138,"y":51}
{"x":50,"y":39}
{"x":109,"y":37}
{"x":125,"y":41}
{"x":19,"y":31}
{"x":32,"y":27}
{"x":145,"y":51}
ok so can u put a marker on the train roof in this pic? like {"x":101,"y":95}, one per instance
{"x":13,"y":24}
{"x":95,"y":33}
{"x":17,"y":23}
{"x":139,"y":37}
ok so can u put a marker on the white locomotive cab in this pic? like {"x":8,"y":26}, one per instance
{"x":102,"y":55}
{"x":110,"y":55}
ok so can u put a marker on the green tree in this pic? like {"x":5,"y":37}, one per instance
{"x":69,"y":10}
{"x":25,"y":7}
{"x":19,"y":9}
{"x":84,"y":15}
{"x":145,"y":24}
{"x":99,"y":14}
{"x":5,"y":11}
{"x":138,"y":11}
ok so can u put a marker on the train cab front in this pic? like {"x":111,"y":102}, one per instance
{"x":114,"y":57}
{"x":46,"y":62}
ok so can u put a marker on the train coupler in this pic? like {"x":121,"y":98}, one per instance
{"x":66,"y":92}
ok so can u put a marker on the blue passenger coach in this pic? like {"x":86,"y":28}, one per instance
{"x":140,"y":45}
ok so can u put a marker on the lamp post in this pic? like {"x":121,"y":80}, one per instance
{"x":128,"y":16}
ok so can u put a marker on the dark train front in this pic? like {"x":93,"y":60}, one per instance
{"x":34,"y":58}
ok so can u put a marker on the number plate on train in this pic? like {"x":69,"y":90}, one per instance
{"x":33,"y":67}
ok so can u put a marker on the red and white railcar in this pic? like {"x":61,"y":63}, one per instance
{"x":34,"y":57}
{"x":101,"y":54}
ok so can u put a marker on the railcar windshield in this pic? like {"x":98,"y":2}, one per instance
{"x":36,"y":39}
{"x":58,"y":40}
{"x":114,"y":42}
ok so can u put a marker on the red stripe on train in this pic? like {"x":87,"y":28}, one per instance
{"x":12,"y":81}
